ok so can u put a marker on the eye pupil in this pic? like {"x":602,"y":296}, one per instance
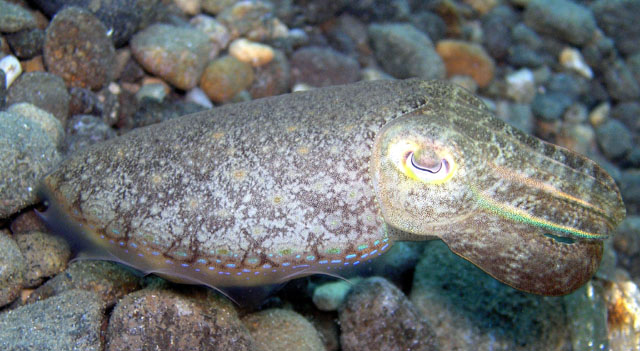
{"x":433,"y":170}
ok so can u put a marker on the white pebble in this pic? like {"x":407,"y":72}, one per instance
{"x":572,"y":59}
{"x":521,"y":86}
{"x":255,"y":54}
{"x":11,"y":67}
{"x":196,"y":95}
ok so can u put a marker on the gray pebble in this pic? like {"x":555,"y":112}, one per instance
{"x":627,"y":245}
{"x":70,"y":321}
{"x":26,"y":43}
{"x":46,"y":255}
{"x":568,"y":84}
{"x":329,"y":296}
{"x":404,"y":51}
{"x":629,"y":114}
{"x":619,"y":20}
{"x":14,"y":18}
{"x":86,"y":130}
{"x":633,"y":62}
{"x":630,"y":189}
{"x":380,"y":10}
{"x":563,"y":19}
{"x":620,"y":82}
{"x":496,"y":26}
{"x":321,"y":67}
{"x":378,"y":316}
{"x":12,"y":269}
{"x":551,"y":106}
{"x":614,"y":139}
{"x":282,"y":329}
{"x":47,"y":122}
{"x":44,"y":90}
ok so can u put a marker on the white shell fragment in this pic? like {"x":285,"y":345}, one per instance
{"x":572,"y":59}
{"x":11,"y":67}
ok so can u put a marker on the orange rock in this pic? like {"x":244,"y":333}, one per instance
{"x":225,"y":77}
{"x":463,"y":58}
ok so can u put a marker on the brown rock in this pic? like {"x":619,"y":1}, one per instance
{"x":272,"y":78}
{"x":321,"y":67}
{"x":280,"y":329}
{"x":225,"y":77}
{"x":45,"y":255}
{"x":463,"y":58}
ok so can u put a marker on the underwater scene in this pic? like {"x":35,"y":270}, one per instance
{"x":320,"y":175}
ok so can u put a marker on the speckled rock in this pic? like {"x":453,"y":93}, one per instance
{"x":14,"y":18}
{"x":46,"y":255}
{"x":273,"y":78}
{"x":463,"y":58}
{"x":153,"y":319}
{"x":620,"y":82}
{"x":86,"y":130}
{"x":404,"y":51}
{"x":27,"y":221}
{"x":378,"y":316}
{"x":77,"y":48}
{"x":26,"y":43}
{"x":12,"y":268}
{"x":28,"y":154}
{"x":563,"y":19}
{"x":225,"y":77}
{"x":458,"y":299}
{"x":614,"y":139}
{"x":218,"y":34}
{"x":176,"y":54}
{"x":70,"y":321}
{"x":627,"y":245}
{"x":44,"y":90}
{"x":109,"y":280}
{"x":618,"y":19}
{"x":122,"y":17}
{"x":280,"y":329}
{"x":45,"y":120}
{"x":329,"y":296}
{"x":253,"y":19}
{"x":496,"y":26}
{"x":152,"y":111}
{"x":322,"y":66}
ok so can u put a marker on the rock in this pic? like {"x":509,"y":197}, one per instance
{"x":569,"y":84}
{"x":12,"y":269}
{"x":108,"y":280}
{"x":496,"y":26}
{"x":11,"y":68}
{"x":633,"y":62}
{"x":216,"y":6}
{"x":627,"y":113}
{"x":587,"y":318}
{"x":321,"y":67}
{"x":46,"y":121}
{"x":600,"y":114}
{"x":27,"y":221}
{"x":46,"y":255}
{"x":462,"y":58}
{"x":572,"y":59}
{"x":329,"y":296}
{"x":349,"y":36}
{"x":380,"y":10}
{"x":28,"y":154}
{"x":403,"y":51}
{"x":44,"y":90}
{"x":550,"y":106}
{"x":84,"y":102}
{"x":280,"y":329}
{"x":225,"y":77}
{"x":26,"y":43}
{"x":620,"y":82}
{"x":189,"y":7}
{"x":252,"y":19}
{"x":218,"y":34}
{"x":70,"y":321}
{"x":431,"y":24}
{"x":86,"y":130}
{"x":580,"y":138}
{"x":77,"y":48}
{"x":153,"y":319}
{"x":378,"y":316}
{"x":122,"y":17}
{"x":563,"y":19}
{"x":271,"y":79}
{"x":14,"y":18}
{"x":521,"y":86}
{"x":617,"y":18}
{"x":627,"y":245}
{"x":458,"y":299}
{"x":622,"y":299}
{"x":153,"y":91}
{"x":614,"y":139}
{"x":518,"y":115}
{"x":176,"y":54}
{"x":255,"y":54}
{"x":197,"y":96}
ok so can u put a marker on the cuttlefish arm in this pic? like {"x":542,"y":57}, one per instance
{"x":531,"y":214}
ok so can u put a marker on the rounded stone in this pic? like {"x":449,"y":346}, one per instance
{"x":44,"y":90}
{"x":176,"y":54}
{"x":614,"y":139}
{"x":14,"y":18}
{"x":273,"y":78}
{"x":27,"y":43}
{"x":46,"y":255}
{"x":620,"y":82}
{"x":619,"y":20}
{"x":329,"y":296}
{"x":321,"y":67}
{"x":153,"y":319}
{"x":255,"y":54}
{"x":254,"y":20}
{"x":86,"y":130}
{"x":225,"y":77}
{"x":563,"y":19}
{"x":12,"y":269}
{"x":551,"y":106}
{"x":280,"y":329}
{"x":378,"y":316}
{"x":463,"y":58}
{"x":77,"y":48}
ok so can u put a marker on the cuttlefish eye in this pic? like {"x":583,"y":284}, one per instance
{"x":422,"y":164}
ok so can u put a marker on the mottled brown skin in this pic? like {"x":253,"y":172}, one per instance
{"x":277,"y":188}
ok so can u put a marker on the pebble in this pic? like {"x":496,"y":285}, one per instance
{"x":620,"y":82}
{"x":378,"y":316}
{"x":176,"y":54}
{"x":431,"y":24}
{"x":330,"y":296}
{"x":225,"y":77}
{"x":153,"y":319}
{"x":463,"y":58}
{"x":86,"y":130}
{"x":587,"y":318}
{"x":281,"y":329}
{"x":403,"y":51}
{"x":216,"y":6}
{"x":599,"y":114}
{"x":618,"y":19}
{"x":562,"y":19}
{"x":13,"y":268}
{"x":26,"y":43}
{"x":380,"y":10}
{"x":84,"y":101}
{"x":70,"y":321}
{"x":521,"y":86}
{"x":567,"y":83}
{"x":323,"y":66}
{"x":28,"y":154}
{"x":44,"y":90}
{"x":255,"y":54}
{"x":629,"y":183}
{"x":14,"y":18}
{"x":550,"y":106}
{"x":579,"y":138}
{"x":46,"y":121}
{"x":273,"y":78}
{"x":77,"y":48}
{"x":458,"y":299}
{"x":627,"y":113}
{"x":518,"y":115}
{"x":218,"y":34}
{"x":108,"y":280}
{"x":627,"y":245}
{"x":572,"y":59}
{"x":151,"y":111}
{"x":614,"y":139}
{"x":11,"y":68}
{"x":622,"y":298}
{"x":27,"y":221}
{"x":197,"y":96}
{"x":154,"y":91}
{"x":496,"y":26}
{"x":3,"y":89}
{"x":46,"y":255}
{"x":189,"y":7}
{"x":252,"y":19}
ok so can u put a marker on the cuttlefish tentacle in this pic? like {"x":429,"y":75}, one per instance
{"x":343,"y":173}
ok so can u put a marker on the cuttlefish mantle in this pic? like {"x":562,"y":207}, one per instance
{"x":265,"y":191}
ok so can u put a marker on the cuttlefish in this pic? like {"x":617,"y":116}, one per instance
{"x":261,"y":192}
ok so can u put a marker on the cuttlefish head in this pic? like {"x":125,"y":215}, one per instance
{"x":531,"y":214}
